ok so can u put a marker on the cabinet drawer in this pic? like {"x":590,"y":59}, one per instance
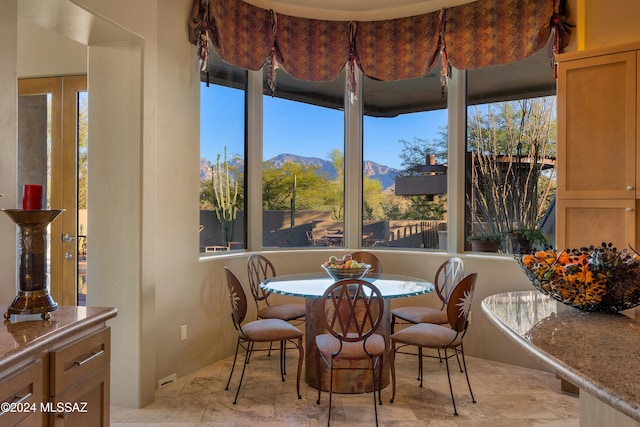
{"x":23,"y":390}
{"x":71,"y":364}
{"x":84,"y":404}
{"x":34,"y":420}
{"x":589,"y":222}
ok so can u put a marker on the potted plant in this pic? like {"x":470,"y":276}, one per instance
{"x":485,"y":242}
{"x":524,"y":239}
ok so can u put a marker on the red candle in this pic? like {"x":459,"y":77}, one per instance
{"x":32,"y":197}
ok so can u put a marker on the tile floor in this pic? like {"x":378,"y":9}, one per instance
{"x":507,"y":396}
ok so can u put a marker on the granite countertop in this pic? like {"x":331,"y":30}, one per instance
{"x":27,"y":334}
{"x":597,"y":352}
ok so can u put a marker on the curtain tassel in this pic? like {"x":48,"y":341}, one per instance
{"x":445,"y":73}
{"x":561,"y":32}
{"x":352,"y":64}
{"x":275,"y":58}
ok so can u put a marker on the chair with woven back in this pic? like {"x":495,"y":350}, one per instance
{"x":259,"y":331}
{"x":440,"y":337}
{"x":368,"y":258}
{"x":352,"y":313}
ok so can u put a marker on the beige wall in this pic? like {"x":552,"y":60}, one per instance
{"x":610,"y":23}
{"x":44,"y":53}
{"x":8,"y":146}
{"x":143,"y":192}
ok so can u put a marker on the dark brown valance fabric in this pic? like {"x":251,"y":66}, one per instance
{"x":474,"y":35}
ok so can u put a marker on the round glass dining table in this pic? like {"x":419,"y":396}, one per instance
{"x":311,"y":286}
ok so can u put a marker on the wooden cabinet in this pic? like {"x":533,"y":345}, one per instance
{"x":56,"y":373}
{"x":21,"y":393}
{"x":597,"y":159}
{"x":597,"y":127}
{"x":593,"y":221}
{"x":79,"y":382}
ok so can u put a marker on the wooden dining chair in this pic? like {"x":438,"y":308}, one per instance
{"x":259,"y":331}
{"x":440,"y":337}
{"x":368,"y":258}
{"x":353,"y":312}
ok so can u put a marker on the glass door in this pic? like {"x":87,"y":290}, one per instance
{"x":52,"y":135}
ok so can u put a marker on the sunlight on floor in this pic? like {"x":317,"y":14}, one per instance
{"x":506,"y":396}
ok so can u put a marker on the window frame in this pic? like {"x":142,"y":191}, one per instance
{"x":353,"y":155}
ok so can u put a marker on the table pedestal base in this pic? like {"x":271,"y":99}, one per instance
{"x":344,"y":381}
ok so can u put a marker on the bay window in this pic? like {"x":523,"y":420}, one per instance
{"x":403,"y":134}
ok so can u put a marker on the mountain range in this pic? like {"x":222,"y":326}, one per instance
{"x":385,"y":174}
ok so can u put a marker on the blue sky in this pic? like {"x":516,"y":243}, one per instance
{"x":306,"y":130}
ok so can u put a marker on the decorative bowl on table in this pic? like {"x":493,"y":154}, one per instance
{"x":338,"y":272}
{"x":597,"y":278}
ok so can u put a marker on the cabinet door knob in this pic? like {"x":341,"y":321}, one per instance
{"x":629,"y":209}
{"x":629,"y":187}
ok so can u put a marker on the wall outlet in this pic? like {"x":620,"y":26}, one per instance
{"x":183,"y":332}
{"x":167,"y":380}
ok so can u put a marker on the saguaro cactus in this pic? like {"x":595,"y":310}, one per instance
{"x":224,"y":200}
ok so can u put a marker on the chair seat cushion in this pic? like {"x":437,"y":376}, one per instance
{"x":267,"y":330}
{"x":428,"y":335}
{"x":282,"y":311}
{"x":327,"y":344}
{"x":421,"y":315}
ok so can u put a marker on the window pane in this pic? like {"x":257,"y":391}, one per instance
{"x":83,"y":157}
{"x":222,"y":161}
{"x":405,"y":157}
{"x":303,"y":169}
{"x":511,"y":149}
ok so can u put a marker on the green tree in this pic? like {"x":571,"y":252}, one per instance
{"x":414,"y":155}
{"x":334,"y":194}
{"x":372,"y":198}
{"x":391,"y":208}
{"x":83,"y":139}
{"x":277,"y":186}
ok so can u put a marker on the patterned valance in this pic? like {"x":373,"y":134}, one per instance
{"x":473,"y":35}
